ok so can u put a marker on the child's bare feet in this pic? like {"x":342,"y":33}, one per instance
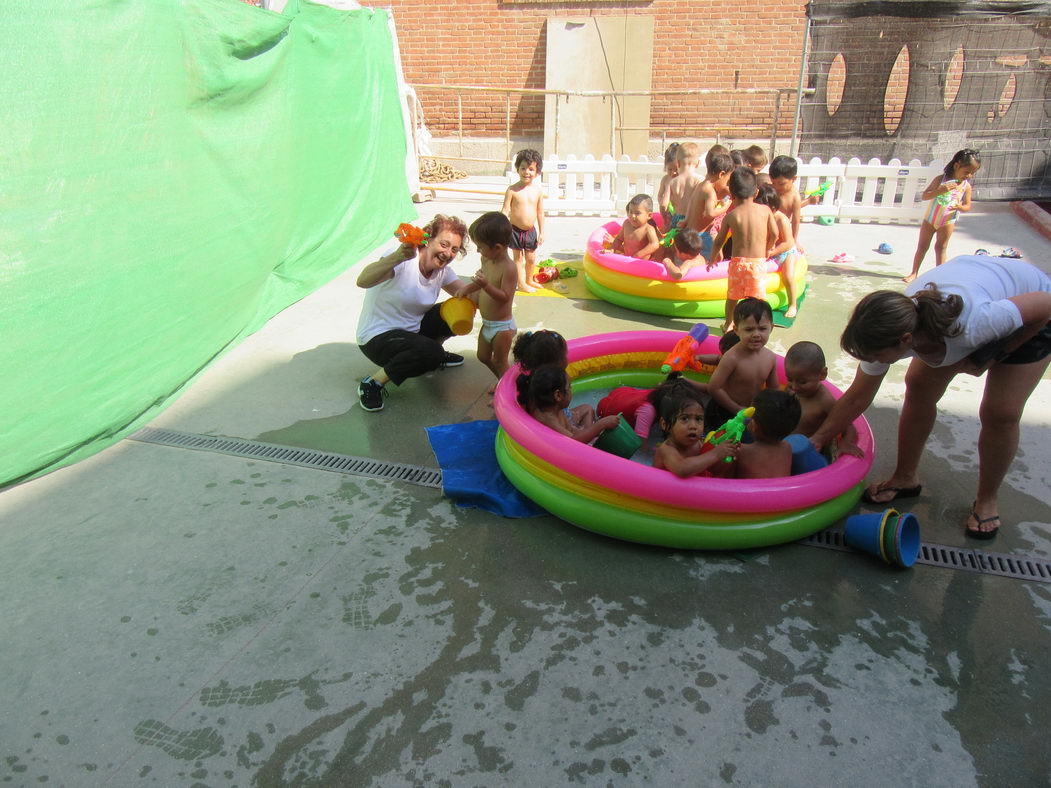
{"x":791,"y":312}
{"x":909,"y":278}
{"x":492,"y":389}
{"x":525,"y":288}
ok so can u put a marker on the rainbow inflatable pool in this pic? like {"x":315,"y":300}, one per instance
{"x":645,"y":286}
{"x":628,"y":500}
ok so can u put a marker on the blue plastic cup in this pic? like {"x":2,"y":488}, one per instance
{"x":901,"y":541}
{"x":864,"y":532}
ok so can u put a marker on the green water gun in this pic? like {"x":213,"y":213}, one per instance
{"x":733,"y":430}
{"x":820,"y":190}
{"x":670,"y":235}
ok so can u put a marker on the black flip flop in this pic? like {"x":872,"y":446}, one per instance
{"x":899,"y":492}
{"x":979,"y":534}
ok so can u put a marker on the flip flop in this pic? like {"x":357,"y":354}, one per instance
{"x":1012,"y":253}
{"x":982,"y":252}
{"x":899,"y":492}
{"x":843,"y":257}
{"x":979,"y":534}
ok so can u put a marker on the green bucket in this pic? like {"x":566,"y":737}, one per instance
{"x":621,"y":440}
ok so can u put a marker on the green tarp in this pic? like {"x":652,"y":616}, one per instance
{"x":174,"y":173}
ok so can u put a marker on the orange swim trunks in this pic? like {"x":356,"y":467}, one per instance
{"x":746,"y":277}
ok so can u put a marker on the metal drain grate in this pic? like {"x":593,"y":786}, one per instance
{"x":290,"y":455}
{"x":1020,"y":567}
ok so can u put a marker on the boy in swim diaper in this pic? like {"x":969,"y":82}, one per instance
{"x":494,"y":285}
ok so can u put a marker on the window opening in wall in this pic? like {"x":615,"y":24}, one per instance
{"x":896,"y":92}
{"x":953,"y":78}
{"x":837,"y":80}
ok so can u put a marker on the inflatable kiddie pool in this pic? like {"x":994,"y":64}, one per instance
{"x":627,"y":500}
{"x":644,"y":285}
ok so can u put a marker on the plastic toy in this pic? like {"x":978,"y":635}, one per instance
{"x":411,"y":234}
{"x":683,"y":354}
{"x":885,"y":248}
{"x":820,"y":190}
{"x":628,"y":500}
{"x":732,"y":430}
{"x":547,"y":273}
{"x":890,"y":535}
{"x":567,"y":272}
{"x":646,"y":286}
{"x":669,"y":237}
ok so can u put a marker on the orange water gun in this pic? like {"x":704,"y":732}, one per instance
{"x":411,"y":234}
{"x":682,"y":355}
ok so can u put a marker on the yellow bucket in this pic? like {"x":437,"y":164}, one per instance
{"x":458,"y":312}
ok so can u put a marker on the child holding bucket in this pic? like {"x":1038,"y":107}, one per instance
{"x":494,"y":283}
{"x":682,"y":419}
{"x":546,"y":393}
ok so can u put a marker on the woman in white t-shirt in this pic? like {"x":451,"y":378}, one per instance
{"x":973,"y":314}
{"x":401,"y":328}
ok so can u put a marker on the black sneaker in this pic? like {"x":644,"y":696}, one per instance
{"x":452,"y":360}
{"x":371,"y":394}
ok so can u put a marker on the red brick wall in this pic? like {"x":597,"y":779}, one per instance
{"x":502,"y":43}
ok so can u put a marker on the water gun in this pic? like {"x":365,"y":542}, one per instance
{"x":733,"y":430}
{"x":410,"y":234}
{"x":820,"y":190}
{"x":670,"y":235}
{"x":682,"y":355}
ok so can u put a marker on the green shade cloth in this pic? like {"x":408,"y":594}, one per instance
{"x":175,"y":172}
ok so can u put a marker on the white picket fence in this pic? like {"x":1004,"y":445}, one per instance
{"x":871,"y":192}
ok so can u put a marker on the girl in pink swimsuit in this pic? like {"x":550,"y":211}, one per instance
{"x":949,"y":194}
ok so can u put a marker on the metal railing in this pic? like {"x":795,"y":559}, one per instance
{"x":717,"y":132}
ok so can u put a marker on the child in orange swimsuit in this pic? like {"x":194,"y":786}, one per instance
{"x":754,"y":231}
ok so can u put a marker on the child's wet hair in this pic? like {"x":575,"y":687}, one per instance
{"x":719,"y":163}
{"x":755,"y":308}
{"x":738,"y":158}
{"x":537,"y":389}
{"x":755,"y":157}
{"x":805,"y":355}
{"x":643,"y":201}
{"x":674,"y":386}
{"x":882,"y":318}
{"x":742,"y":183}
{"x":529,"y":156}
{"x":454,"y":224}
{"x":688,"y":153}
{"x":533,"y":349}
{"x":688,"y":242}
{"x":964,"y":158}
{"x":714,"y":151}
{"x":671,"y":406}
{"x":783,"y":167}
{"x":728,"y":340}
{"x":670,"y":154}
{"x":492,"y":229}
{"x":777,"y":413}
{"x":768,"y":196}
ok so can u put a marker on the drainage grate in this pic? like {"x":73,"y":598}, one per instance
{"x":1020,"y":567}
{"x":290,"y":455}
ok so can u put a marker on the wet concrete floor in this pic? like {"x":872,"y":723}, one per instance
{"x":175,"y":617}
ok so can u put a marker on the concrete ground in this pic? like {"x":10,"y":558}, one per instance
{"x":175,"y":617}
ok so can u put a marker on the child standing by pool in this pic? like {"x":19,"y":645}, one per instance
{"x":784,"y":252}
{"x":776,"y":416}
{"x":637,"y":236}
{"x":546,"y":394}
{"x":681,"y":188}
{"x":747,"y":367}
{"x":495,"y":284}
{"x":524,"y":206}
{"x":682,"y":419}
{"x":671,"y":169}
{"x":949,"y":194}
{"x":754,"y":231}
{"x":708,"y":206}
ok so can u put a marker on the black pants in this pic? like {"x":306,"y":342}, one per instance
{"x":404,"y":354}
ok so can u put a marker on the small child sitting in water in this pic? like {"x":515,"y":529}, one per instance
{"x":546,"y":394}
{"x":638,"y":235}
{"x":686,"y":251}
{"x":805,"y":372}
{"x":770,"y":456}
{"x":682,"y":419}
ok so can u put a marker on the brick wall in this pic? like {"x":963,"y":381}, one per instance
{"x":502,"y":43}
